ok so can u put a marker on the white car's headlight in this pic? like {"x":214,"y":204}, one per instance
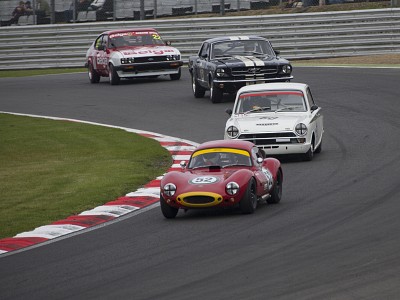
{"x":232,"y":188}
{"x":127,"y":60}
{"x":169,"y":189}
{"x":301,"y":129}
{"x":173,"y":57}
{"x":232,"y":132}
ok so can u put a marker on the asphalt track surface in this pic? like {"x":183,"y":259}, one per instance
{"x":335,"y":235}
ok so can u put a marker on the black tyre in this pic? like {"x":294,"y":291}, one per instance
{"x":276,"y":193}
{"x":319,"y":148}
{"x":309,"y":155}
{"x":215,"y":93}
{"x":176,"y":76}
{"x":94,"y":77}
{"x":248,"y":204}
{"x":198,"y":91}
{"x":113,"y":75}
{"x":168,"y":211}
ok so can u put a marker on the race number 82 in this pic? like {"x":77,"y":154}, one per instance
{"x":204,"y":180}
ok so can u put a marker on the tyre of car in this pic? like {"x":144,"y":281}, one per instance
{"x":113,"y":75}
{"x":198,"y":91}
{"x":248,"y":203}
{"x":276,"y":193}
{"x":309,"y":155}
{"x":176,"y":76}
{"x":169,"y":212}
{"x":319,"y":148}
{"x":94,"y":77}
{"x":215,"y":93}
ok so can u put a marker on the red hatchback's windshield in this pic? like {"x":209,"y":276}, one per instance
{"x":135,"y":38}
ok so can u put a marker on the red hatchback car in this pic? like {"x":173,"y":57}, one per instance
{"x":222,"y":173}
{"x":132,"y":53}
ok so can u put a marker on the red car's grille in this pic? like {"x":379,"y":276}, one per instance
{"x":198,"y":199}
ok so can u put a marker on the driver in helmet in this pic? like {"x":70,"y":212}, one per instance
{"x":211,"y":158}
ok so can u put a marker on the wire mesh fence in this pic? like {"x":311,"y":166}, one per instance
{"x":17,"y":12}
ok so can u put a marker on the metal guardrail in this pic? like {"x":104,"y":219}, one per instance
{"x":297,"y":36}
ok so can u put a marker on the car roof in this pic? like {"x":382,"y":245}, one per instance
{"x":234,"y":38}
{"x":128,"y":30}
{"x":236,"y":144}
{"x":273,"y":86}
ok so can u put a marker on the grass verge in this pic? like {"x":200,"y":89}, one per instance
{"x":50,"y":169}
{"x":23,"y":73}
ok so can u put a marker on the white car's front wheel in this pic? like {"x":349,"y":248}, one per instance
{"x":113,"y":75}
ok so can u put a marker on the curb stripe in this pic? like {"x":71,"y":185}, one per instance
{"x":179,"y":149}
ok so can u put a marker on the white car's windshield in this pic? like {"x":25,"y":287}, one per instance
{"x":220,"y":157}
{"x":135,"y":38}
{"x":242,"y":47}
{"x":270,"y":101}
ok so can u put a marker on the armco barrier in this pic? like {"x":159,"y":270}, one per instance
{"x":297,"y":36}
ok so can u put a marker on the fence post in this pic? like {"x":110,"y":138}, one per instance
{"x":222,"y":8}
{"x":141,"y":9}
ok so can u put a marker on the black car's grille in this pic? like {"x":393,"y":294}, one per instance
{"x":198,"y":199}
{"x":254,"y":72}
{"x":277,"y":138}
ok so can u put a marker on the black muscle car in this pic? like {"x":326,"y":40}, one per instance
{"x":225,"y":64}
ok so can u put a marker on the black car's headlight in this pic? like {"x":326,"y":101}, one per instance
{"x":286,"y":69}
{"x":232,"y":132}
{"x":232,"y":188}
{"x":127,"y":60}
{"x":169,"y":189}
{"x":221,"y":72}
{"x":301,"y":129}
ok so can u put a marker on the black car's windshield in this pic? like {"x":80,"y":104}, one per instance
{"x":135,"y":38}
{"x":245,"y":47}
{"x":222,"y":157}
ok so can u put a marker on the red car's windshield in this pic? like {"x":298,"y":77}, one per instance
{"x":135,"y":38}
{"x":223,"y":157}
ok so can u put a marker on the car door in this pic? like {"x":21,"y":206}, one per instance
{"x":316,"y":116}
{"x":101,"y":53}
{"x":200,"y":65}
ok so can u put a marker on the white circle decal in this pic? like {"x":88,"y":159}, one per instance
{"x":203,"y":180}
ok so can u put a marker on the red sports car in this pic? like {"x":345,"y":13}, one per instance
{"x":222,"y":173}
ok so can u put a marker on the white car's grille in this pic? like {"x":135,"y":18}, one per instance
{"x":276,"y":138}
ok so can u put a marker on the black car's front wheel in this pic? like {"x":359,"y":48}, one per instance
{"x":248,"y":204}
{"x":168,"y":211}
{"x":215,"y":93}
{"x":198,"y":91}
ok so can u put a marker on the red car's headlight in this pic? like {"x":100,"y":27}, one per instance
{"x":169,"y":189}
{"x":232,"y":188}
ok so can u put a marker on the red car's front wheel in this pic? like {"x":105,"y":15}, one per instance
{"x":168,"y":211}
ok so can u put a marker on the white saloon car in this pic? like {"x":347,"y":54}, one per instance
{"x":281,"y":118}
